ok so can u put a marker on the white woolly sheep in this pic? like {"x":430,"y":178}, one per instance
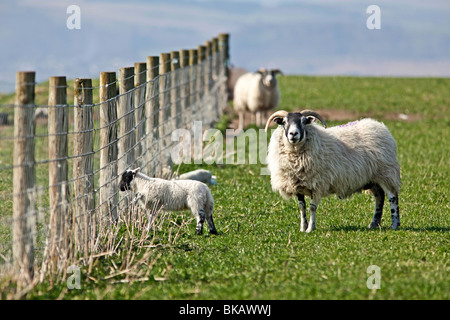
{"x":171,"y":195}
{"x":307,"y":159}
{"x":201,"y":175}
{"x":256,"y":92}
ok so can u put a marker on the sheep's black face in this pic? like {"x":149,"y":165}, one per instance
{"x":294,"y":126}
{"x":125,"y":182}
{"x":269,"y":77}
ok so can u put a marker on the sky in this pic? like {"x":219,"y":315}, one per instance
{"x":310,"y":37}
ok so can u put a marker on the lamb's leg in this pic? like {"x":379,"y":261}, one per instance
{"x":210,"y":221}
{"x":314,"y":203}
{"x":211,"y":226}
{"x":302,"y":206}
{"x":379,"y":202}
{"x":200,"y":216}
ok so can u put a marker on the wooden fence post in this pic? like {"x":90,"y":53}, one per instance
{"x":58,"y":125}
{"x":140,"y":77}
{"x":175,"y":107}
{"x":152,"y":112}
{"x":165,"y":112}
{"x":214,"y":78}
{"x":185,"y":111}
{"x":24,"y":211}
{"x":215,"y":58}
{"x":126,"y":122}
{"x":200,"y":112}
{"x":126,"y":119}
{"x":224,"y":45}
{"x":193,"y":75}
{"x":83,"y":165}
{"x":201,"y":67}
{"x":108,"y":147}
{"x":224,"y":58}
{"x":208,"y":111}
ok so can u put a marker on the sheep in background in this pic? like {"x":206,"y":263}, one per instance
{"x":41,"y":113}
{"x":256,"y":92}
{"x":171,"y":195}
{"x":201,"y":175}
{"x":306,"y":159}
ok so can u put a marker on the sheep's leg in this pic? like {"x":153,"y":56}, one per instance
{"x":200,"y":216}
{"x":393,"y":201}
{"x":241,"y":120}
{"x":209,"y":219}
{"x":136,"y":199}
{"x":302,"y":205}
{"x":395,"y":216}
{"x":258,"y":118}
{"x":379,"y":203}
{"x":313,"y":204}
{"x":211,"y":226}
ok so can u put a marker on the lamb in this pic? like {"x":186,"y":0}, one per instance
{"x":256,"y":92}
{"x":171,"y":195}
{"x":201,"y":175}
{"x":305,"y":159}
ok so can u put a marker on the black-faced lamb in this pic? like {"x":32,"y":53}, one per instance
{"x":256,"y":92}
{"x":306,"y":159}
{"x":171,"y":195}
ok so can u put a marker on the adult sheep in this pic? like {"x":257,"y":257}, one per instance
{"x":256,"y":92}
{"x":171,"y":195}
{"x":305,"y":159}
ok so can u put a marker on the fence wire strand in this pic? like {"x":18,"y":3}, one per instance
{"x":177,"y":99}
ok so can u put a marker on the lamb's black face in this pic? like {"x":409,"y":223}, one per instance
{"x":125,"y":182}
{"x":294,"y":126}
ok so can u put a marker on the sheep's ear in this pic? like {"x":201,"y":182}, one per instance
{"x":277,"y":71}
{"x":308,"y":120}
{"x":278,"y":120}
{"x":136,"y":170}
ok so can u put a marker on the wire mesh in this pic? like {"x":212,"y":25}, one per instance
{"x":146,"y":116}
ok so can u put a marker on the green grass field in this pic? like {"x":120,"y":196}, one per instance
{"x":260,"y":253}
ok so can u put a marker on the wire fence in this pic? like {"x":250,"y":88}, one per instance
{"x":60,"y":163}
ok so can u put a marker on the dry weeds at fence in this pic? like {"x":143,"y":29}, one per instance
{"x":60,"y":201}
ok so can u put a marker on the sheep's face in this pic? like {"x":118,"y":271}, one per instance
{"x":127,"y":177}
{"x":294,"y":126}
{"x":268,"y":77}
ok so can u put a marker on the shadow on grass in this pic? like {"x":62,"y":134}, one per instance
{"x":415,"y":229}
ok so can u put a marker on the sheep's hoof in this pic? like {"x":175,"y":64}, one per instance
{"x":375,"y":225}
{"x":198,"y":231}
{"x":395,"y":226}
{"x":213,"y":231}
{"x":310,"y":229}
{"x":238,"y":132}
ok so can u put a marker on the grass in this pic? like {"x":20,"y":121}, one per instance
{"x":259,"y":252}
{"x":427,"y":97}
